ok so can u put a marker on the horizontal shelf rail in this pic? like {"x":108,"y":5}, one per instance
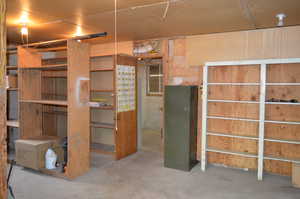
{"x":232,"y":153}
{"x":281,"y":122}
{"x":233,"y":101}
{"x":232,"y":136}
{"x":283,"y":84}
{"x":233,"y":84}
{"x":49,"y":102}
{"x":281,"y":159}
{"x":282,"y":141}
{"x":254,"y":62}
{"x":231,"y":118}
{"x":283,"y":103}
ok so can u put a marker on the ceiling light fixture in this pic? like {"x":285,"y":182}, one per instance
{"x":78,"y":31}
{"x":24,"y":30}
{"x":280,"y":17}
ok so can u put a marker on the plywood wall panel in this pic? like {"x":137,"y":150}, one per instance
{"x":109,"y":49}
{"x":232,"y":160}
{"x":282,"y":131}
{"x":283,"y":92}
{"x":232,"y":144}
{"x":231,"y":127}
{"x":243,"y":93}
{"x":283,"y":112}
{"x":278,"y":167}
{"x":249,"y":111}
{"x":244,"y":45}
{"x":235,"y":74}
{"x":283,"y":73}
{"x":284,"y":150}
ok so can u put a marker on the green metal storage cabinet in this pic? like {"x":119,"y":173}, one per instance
{"x":180,"y":139}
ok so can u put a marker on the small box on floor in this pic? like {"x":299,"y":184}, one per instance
{"x":296,"y":175}
{"x":30,"y":153}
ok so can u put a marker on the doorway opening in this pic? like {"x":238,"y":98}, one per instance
{"x":150,"y":102}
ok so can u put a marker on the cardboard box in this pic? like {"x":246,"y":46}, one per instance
{"x":30,"y":153}
{"x":12,"y":81}
{"x":296,"y":175}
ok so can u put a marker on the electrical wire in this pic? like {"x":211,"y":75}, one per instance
{"x":116,"y":63}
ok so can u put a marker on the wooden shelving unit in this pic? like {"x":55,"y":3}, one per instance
{"x":12,"y":122}
{"x":251,"y":117}
{"x":54,"y":100}
{"x":113,"y":128}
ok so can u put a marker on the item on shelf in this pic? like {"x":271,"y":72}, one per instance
{"x":281,"y":100}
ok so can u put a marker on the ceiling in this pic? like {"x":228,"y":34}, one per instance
{"x":143,"y":19}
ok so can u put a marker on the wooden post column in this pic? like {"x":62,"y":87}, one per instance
{"x":3,"y":150}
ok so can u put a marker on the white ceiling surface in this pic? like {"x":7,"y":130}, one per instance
{"x":143,"y":19}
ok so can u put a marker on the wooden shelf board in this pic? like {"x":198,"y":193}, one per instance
{"x":102,"y":148}
{"x":102,"y":69}
{"x":12,"y":89}
{"x":104,"y":107}
{"x":11,"y":67}
{"x":50,"y":102}
{"x":12,"y":123}
{"x":102,"y":91}
{"x":49,"y":67}
{"x":102,"y":125}
{"x":51,"y":49}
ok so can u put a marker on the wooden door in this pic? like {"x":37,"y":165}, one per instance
{"x":126,"y":117}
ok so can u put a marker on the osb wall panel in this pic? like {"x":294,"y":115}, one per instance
{"x":244,"y":45}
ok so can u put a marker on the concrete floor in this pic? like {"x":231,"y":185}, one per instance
{"x":142,"y":176}
{"x":151,"y":140}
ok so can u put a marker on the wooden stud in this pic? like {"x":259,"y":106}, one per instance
{"x":3,"y":128}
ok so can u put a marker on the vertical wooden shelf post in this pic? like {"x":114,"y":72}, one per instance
{"x":78,"y":109}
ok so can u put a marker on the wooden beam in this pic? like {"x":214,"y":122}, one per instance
{"x":3,"y":150}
